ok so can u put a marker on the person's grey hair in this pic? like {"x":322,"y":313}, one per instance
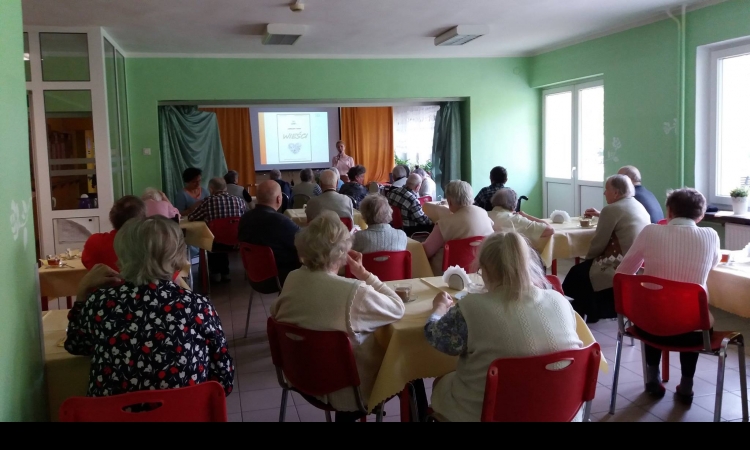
{"x":508,"y":263}
{"x":375,"y":209}
{"x":399,"y":172}
{"x":328,"y":179}
{"x":631,"y":172}
{"x":231,"y":177}
{"x":505,"y":198}
{"x":306,"y":175}
{"x":217,"y":184}
{"x":420,"y":171}
{"x":324,"y":243}
{"x":335,"y":171}
{"x":413,"y":181}
{"x":151,"y":194}
{"x":622,"y":184}
{"x":150,"y":249}
{"x":459,"y":193}
{"x":275,"y":174}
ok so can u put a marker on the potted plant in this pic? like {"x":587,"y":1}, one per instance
{"x":739,"y":200}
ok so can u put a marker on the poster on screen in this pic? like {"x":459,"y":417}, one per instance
{"x":295,"y":138}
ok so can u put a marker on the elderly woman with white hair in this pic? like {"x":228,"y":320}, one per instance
{"x":141,"y":330}
{"x":465,"y":221}
{"x":379,"y":236}
{"x":590,"y":283}
{"x":505,"y":218}
{"x":315,"y":297}
{"x":517,"y":316}
{"x":157,"y":203}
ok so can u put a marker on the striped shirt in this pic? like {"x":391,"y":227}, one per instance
{"x":219,"y":206}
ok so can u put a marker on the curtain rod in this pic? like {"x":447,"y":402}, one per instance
{"x":322,"y":103}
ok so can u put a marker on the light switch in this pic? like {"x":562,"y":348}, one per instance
{"x":147,"y":151}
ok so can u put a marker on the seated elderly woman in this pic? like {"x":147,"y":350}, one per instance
{"x":141,"y":330}
{"x":680,"y":251}
{"x":379,"y":236}
{"x":191,"y":197}
{"x":465,"y":221}
{"x":517,"y":317}
{"x":590,"y":283}
{"x":99,"y":248}
{"x":157,"y":203}
{"x":506,"y":219}
{"x":316,"y":298}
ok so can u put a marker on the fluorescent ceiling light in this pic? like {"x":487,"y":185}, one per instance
{"x":283,"y":34}
{"x":460,"y":35}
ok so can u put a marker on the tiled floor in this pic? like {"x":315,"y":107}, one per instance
{"x":257,"y":396}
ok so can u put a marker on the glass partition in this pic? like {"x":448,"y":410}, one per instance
{"x":65,"y":56}
{"x":110,"y":73}
{"x":122,"y":102}
{"x":26,"y":56}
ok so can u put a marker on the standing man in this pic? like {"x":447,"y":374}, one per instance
{"x":406,"y":199}
{"x":498,"y":178}
{"x":232,"y":177}
{"x":220,"y":205}
{"x":342,"y":162}
{"x":643,"y":195}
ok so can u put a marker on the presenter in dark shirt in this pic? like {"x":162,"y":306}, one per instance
{"x":264,"y":225}
{"x":643,"y":195}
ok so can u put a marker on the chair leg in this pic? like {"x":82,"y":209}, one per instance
{"x":328,"y":416}
{"x":587,"y":411}
{"x":665,"y":366}
{"x":203,"y":265}
{"x":381,"y":410}
{"x":616,"y":378}
{"x":720,"y":381}
{"x":643,"y":364}
{"x":284,"y":396}
{"x":249,"y":305}
{"x":743,"y":376}
{"x":45,"y":303}
{"x":632,"y":341}
{"x":553,"y":269}
{"x":404,"y":403}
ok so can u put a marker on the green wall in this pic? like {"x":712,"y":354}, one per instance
{"x":22,"y":370}
{"x":640,"y":68}
{"x":503,"y":111}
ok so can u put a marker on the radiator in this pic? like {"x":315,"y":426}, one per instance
{"x":736,"y":237}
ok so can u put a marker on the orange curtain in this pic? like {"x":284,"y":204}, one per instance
{"x":368,"y":134}
{"x":237,"y":141}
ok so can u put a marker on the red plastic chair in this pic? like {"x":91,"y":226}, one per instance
{"x":425,"y":199}
{"x":348,"y":222}
{"x":668,"y":308}
{"x":462,"y":253}
{"x":662,"y":222}
{"x":205,"y":402}
{"x":225,"y":230}
{"x":554,"y":280}
{"x":260,"y":266}
{"x":398,"y":221}
{"x":314,"y":363}
{"x":387,"y":266}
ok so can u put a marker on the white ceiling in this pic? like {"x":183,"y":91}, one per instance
{"x":348,"y":28}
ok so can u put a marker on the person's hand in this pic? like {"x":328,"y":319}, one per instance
{"x":442,"y":302}
{"x":591,"y":212}
{"x":354,"y":260}
{"x":99,"y":276}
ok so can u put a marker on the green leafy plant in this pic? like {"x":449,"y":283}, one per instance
{"x":427,"y":165}
{"x":738,"y":192}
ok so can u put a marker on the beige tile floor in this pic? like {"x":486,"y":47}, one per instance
{"x":257,"y":396}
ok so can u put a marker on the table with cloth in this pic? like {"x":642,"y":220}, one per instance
{"x":569,"y":241}
{"x":408,"y":355}
{"x":729,"y":288}
{"x":299,"y":216}
{"x":436,"y":210}
{"x":420,"y":265}
{"x":62,"y":281}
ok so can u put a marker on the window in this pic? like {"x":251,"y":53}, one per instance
{"x":413,"y":131}
{"x":730,"y":124}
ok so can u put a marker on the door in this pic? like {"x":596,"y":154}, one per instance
{"x":574,"y":148}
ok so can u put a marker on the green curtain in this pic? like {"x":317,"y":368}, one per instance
{"x":188,"y":138}
{"x":446,"y":145}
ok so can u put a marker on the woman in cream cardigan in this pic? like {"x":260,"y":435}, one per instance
{"x":316,"y":298}
{"x":590,"y":283}
{"x":518,"y":317}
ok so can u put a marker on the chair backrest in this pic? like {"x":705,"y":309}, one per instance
{"x":546,"y":388}
{"x":205,"y":402}
{"x":373,"y":187}
{"x":556,"y":283}
{"x":663,"y":222}
{"x":225,"y":230}
{"x":462,"y":253}
{"x":425,"y":199}
{"x":259,"y":262}
{"x":661,"y":307}
{"x":348,"y":222}
{"x":284,"y":203}
{"x":299,"y":200}
{"x":398,"y":220}
{"x":316,"y":363}
{"x":387,"y":266}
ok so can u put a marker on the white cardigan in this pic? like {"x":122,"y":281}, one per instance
{"x":318,"y":300}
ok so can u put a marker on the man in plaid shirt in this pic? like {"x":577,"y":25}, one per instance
{"x":220,"y":205}
{"x":498,"y":178}
{"x":406,"y":198}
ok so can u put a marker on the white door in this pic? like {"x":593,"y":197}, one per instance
{"x":574,"y":148}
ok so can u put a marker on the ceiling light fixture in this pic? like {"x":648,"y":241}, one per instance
{"x":460,"y":35}
{"x":283,"y":34}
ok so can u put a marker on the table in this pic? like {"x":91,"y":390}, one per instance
{"x":61,"y":282}
{"x":435,"y":211}
{"x":569,"y":241}
{"x":66,"y":375}
{"x":299,"y":217}
{"x":409,"y":356}
{"x":197,"y":234}
{"x":729,"y":288}
{"x":420,"y":265}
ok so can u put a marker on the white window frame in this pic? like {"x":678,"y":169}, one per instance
{"x":713,"y":119}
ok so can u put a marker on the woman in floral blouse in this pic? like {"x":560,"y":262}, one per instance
{"x":142,"y":330}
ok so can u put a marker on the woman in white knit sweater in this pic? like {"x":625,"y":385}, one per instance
{"x":379,"y":236}
{"x":316,"y":298}
{"x":680,"y":251}
{"x":518,"y":317}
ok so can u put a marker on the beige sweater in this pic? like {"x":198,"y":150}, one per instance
{"x":329,"y":201}
{"x":467,"y":222}
{"x":318,"y":300}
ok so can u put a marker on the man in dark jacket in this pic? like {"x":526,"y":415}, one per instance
{"x":643,"y":195}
